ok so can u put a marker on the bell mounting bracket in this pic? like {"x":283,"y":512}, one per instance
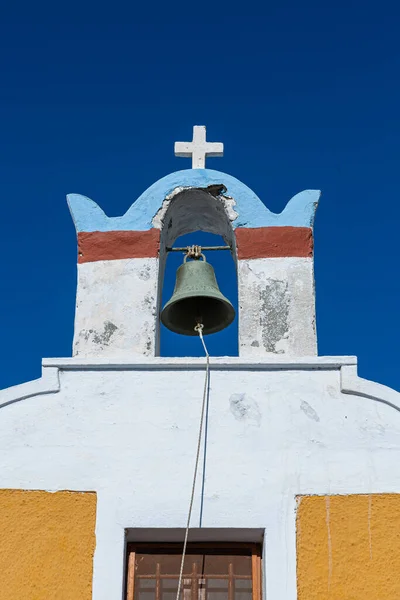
{"x":189,"y":251}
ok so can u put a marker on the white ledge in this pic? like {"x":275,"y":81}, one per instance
{"x":350,"y":383}
{"x":220,"y":363}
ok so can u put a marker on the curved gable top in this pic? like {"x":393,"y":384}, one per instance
{"x":299,"y":211}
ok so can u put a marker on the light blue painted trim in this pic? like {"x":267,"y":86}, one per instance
{"x":87,"y":215}
{"x":299,"y":211}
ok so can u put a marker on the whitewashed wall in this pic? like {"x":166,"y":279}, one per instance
{"x":277,"y":307}
{"x":128,"y":431}
{"x":116,"y":308}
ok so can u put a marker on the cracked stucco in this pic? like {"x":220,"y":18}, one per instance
{"x":277,"y":307}
{"x":116,"y":308}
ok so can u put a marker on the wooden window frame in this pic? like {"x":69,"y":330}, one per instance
{"x":253,"y":550}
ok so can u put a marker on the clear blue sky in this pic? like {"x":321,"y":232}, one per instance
{"x":303,"y":95}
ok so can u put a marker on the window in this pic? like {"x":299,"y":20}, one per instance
{"x":211,"y":572}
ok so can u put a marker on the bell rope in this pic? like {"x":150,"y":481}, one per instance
{"x":199,"y":330}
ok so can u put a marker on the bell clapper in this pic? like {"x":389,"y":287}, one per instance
{"x":199,"y":327}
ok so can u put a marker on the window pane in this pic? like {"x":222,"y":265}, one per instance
{"x":145,"y":595}
{"x":217,"y":595}
{"x":147,"y":583}
{"x":170,"y":584}
{"x":243,"y":584}
{"x":217,"y":583}
{"x":243,"y":589}
{"x":243,"y":595}
{"x":205,"y":576}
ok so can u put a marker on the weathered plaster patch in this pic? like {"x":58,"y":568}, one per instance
{"x":229,"y":205}
{"x":245,"y":408}
{"x":309,"y":411}
{"x":105,"y":336}
{"x":274,"y":314}
{"x":276,"y":307}
{"x":102,"y":338}
{"x":144,"y":274}
{"x":116,"y":310}
{"x":158,"y":219}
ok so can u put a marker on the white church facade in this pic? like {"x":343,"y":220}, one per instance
{"x":297,"y":491}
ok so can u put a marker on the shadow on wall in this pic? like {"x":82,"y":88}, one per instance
{"x":223,"y":343}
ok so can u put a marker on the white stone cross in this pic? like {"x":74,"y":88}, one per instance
{"x":198,"y":149}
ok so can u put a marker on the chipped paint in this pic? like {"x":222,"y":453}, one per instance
{"x":245,"y":408}
{"x":105,"y":336}
{"x":102,"y":338}
{"x":276,"y":307}
{"x":191,"y":210}
{"x":216,"y":191}
{"x":116,"y":308}
{"x":309,"y":411}
{"x":274,"y":313}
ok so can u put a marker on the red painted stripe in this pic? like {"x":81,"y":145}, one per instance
{"x":274,"y":242}
{"x":113,"y":245}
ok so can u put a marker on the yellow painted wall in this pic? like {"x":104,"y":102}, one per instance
{"x":47,"y":543}
{"x":348,"y":547}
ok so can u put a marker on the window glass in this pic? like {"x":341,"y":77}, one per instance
{"x":205,"y":577}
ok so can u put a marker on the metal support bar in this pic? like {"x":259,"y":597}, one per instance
{"x":205,"y":248}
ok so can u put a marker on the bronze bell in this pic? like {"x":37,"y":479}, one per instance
{"x":197,"y":299}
